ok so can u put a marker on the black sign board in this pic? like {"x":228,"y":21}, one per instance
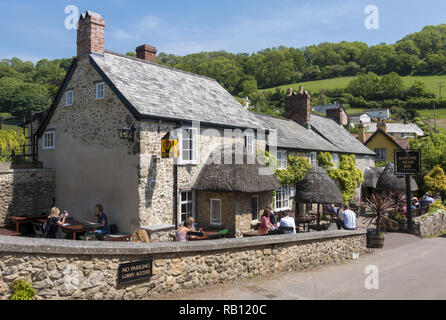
{"x":135,"y":271}
{"x":407,"y":162}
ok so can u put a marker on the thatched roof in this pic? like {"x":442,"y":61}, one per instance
{"x":371,"y":177}
{"x":216,"y":176}
{"x":318,"y":187}
{"x":389,"y":181}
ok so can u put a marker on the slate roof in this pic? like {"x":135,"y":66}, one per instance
{"x":338,"y":136}
{"x":397,"y":128}
{"x":159,"y":91}
{"x":155,"y":91}
{"x":292,"y":135}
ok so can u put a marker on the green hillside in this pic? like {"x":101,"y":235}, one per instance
{"x":314,"y":87}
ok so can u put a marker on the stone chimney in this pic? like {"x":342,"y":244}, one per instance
{"x":298,"y":106}
{"x":90,"y":34}
{"x":146,"y":52}
{"x":382,"y":125}
{"x":361,"y":132}
{"x":338,"y":115}
{"x":406,"y":120}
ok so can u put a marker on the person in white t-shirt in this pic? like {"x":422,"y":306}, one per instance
{"x":347,"y":219}
{"x":287,"y":221}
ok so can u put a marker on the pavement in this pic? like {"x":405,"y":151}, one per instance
{"x":408,"y":268}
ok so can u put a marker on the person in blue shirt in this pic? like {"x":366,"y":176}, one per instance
{"x":102,"y":219}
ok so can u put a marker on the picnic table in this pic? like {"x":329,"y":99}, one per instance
{"x":18,"y":220}
{"x":7,"y":232}
{"x":256,"y":233}
{"x":305,"y":221}
{"x":206,"y":236}
{"x":78,"y":227}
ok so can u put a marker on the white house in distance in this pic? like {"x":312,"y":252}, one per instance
{"x":397,"y":130}
{"x":359,"y":117}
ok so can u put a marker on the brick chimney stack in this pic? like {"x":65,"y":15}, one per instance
{"x":90,"y":34}
{"x":361,"y":132}
{"x":298,"y":106}
{"x":338,"y":115}
{"x":146,"y":52}
{"x":382,"y":125}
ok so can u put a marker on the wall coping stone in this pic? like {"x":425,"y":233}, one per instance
{"x":70,"y":247}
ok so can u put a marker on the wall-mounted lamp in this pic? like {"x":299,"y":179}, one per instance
{"x":127,"y":133}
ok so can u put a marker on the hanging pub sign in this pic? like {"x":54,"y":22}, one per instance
{"x":135,"y":271}
{"x":407,"y":162}
{"x":169,"y":146}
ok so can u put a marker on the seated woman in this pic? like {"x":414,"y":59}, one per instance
{"x":53,"y":225}
{"x":265,"y":223}
{"x":182,"y":231}
{"x":102,"y":219}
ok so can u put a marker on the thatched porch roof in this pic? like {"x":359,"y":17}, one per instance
{"x":318,"y":187}
{"x":371,"y":177}
{"x":389,"y":181}
{"x":216,"y":176}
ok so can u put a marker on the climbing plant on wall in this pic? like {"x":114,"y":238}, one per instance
{"x":347,"y":175}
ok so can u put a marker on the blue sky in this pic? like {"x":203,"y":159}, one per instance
{"x":33,"y":30}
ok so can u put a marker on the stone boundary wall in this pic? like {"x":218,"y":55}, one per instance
{"x":25,"y":191}
{"x":430,"y":225}
{"x":64,"y":269}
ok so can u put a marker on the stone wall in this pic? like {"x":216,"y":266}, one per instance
{"x":430,"y":225}
{"x":26,"y":191}
{"x":88,"y":270}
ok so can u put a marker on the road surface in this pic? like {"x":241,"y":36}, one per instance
{"x":409,"y":268}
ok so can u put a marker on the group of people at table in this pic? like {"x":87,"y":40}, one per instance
{"x":57,"y":220}
{"x":346,"y":219}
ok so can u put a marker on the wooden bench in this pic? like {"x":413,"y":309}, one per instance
{"x":7,"y":232}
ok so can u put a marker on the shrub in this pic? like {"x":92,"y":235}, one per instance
{"x":22,"y":290}
{"x":434,"y":207}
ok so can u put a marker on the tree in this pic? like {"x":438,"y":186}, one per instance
{"x":435,"y":181}
{"x":10,"y":140}
{"x":433,"y":151}
{"x":366,"y":85}
{"x":392,"y":86}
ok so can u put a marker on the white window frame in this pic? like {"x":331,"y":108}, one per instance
{"x":285,"y":199}
{"x":45,"y":144}
{"x":313,"y":158}
{"x":98,"y":85}
{"x":186,"y":202}
{"x":194,"y":149}
{"x":335,"y":158}
{"x":212,"y":221}
{"x":282,"y":159}
{"x":67,"y":104}
{"x":249,"y":142}
{"x":379,"y":153}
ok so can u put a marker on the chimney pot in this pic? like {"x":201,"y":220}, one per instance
{"x":146,"y":52}
{"x":90,"y":34}
{"x":298,"y":107}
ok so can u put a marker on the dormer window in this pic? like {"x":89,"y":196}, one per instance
{"x":69,"y":98}
{"x":100,"y":90}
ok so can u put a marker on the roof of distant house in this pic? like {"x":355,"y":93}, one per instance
{"x":396,"y":128}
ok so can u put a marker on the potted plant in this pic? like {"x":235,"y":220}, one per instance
{"x":381,"y":206}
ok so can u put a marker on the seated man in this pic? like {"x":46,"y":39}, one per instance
{"x":347,"y":219}
{"x":287,"y":221}
{"x":102,"y":219}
